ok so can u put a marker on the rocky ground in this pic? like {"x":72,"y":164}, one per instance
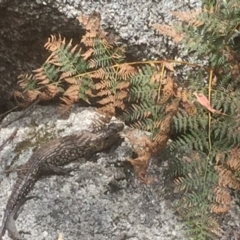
{"x":103,"y":200}
{"x":26,"y":25}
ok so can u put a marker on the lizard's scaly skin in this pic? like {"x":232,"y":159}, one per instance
{"x":49,"y":158}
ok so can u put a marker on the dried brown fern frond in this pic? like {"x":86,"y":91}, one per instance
{"x":222,"y":195}
{"x":121,"y":95}
{"x":165,"y":125}
{"x":166,"y":87}
{"x":144,"y":148}
{"x":107,"y":100}
{"x":161,"y":140}
{"x":24,"y":99}
{"x":158,"y":77}
{"x":56,"y":57}
{"x":103,"y":92}
{"x":68,"y":99}
{"x":123,"y":86}
{"x":56,"y":69}
{"x":168,"y":90}
{"x":72,"y":93}
{"x":226,"y":178}
{"x":233,"y":58}
{"x":92,"y":25}
{"x":43,"y":96}
{"x":90,"y":22}
{"x":65,"y":107}
{"x":40,"y":76}
{"x":199,"y":217}
{"x":223,"y":200}
{"x":233,"y":161}
{"x":214,"y":226}
{"x":219,"y":208}
{"x":32,"y":95}
{"x":103,"y":85}
{"x":99,"y":74}
{"x":189,"y":16}
{"x":115,"y":100}
{"x":25,"y":79}
{"x":54,"y":43}
{"x":108,"y":110}
{"x":173,"y":107}
{"x":126,"y":71}
{"x":70,"y":80}
{"x":169,"y":66}
{"x":117,"y":53}
{"x":119,"y":103}
{"x":88,"y":40}
{"x":169,"y":31}
{"x":87,"y":54}
{"x":48,"y":93}
{"x":92,"y":63}
{"x":186,"y":104}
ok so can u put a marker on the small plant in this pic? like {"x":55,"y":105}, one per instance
{"x":208,"y":121}
{"x":94,"y":71}
{"x":203,"y":110}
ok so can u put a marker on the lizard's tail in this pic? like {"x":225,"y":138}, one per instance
{"x":3,"y":227}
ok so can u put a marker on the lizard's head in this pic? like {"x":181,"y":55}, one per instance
{"x":101,"y":139}
{"x":110,"y":134}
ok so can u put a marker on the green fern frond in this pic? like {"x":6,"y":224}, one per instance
{"x":27,"y":82}
{"x":49,"y":72}
{"x":71,"y":61}
{"x":141,"y":88}
{"x":195,"y":179}
{"x":86,"y":84}
{"x":183,"y":122}
{"x":105,"y":55}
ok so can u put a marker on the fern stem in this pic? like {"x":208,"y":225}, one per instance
{"x":160,"y":85}
{"x":209,"y":113}
{"x":209,"y":127}
{"x":150,"y":62}
{"x":169,"y":61}
{"x":43,"y":86}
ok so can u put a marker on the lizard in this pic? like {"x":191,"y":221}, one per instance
{"x":48,"y":159}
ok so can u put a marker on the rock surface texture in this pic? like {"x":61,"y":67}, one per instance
{"x":26,"y":25}
{"x":101,"y":200}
